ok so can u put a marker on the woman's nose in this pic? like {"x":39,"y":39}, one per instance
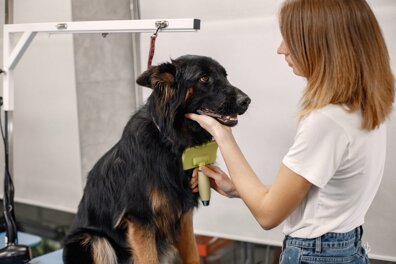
{"x":282,"y":49}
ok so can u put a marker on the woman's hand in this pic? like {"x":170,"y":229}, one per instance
{"x":219,"y":181}
{"x":217,"y":130}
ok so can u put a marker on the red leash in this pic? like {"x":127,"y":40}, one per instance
{"x":153,"y":38}
{"x":152,"y":49}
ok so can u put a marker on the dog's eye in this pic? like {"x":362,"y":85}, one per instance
{"x":204,"y":78}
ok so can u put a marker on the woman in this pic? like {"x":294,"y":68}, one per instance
{"x":331,"y":173}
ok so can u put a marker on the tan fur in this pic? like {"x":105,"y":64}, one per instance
{"x":162,"y":207}
{"x":167,"y":78}
{"x":120,"y":220}
{"x":164,"y":77}
{"x":157,"y":199}
{"x":103,"y":252}
{"x":187,"y":244}
{"x":169,"y":93}
{"x":142,"y":243}
{"x":165,"y":82}
{"x":86,"y":241}
{"x":188,"y":94}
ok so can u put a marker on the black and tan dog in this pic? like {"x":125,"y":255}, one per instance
{"x":137,"y":204}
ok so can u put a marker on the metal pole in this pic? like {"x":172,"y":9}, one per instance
{"x":135,"y":14}
{"x":12,"y":252}
{"x":9,"y":11}
{"x":9,"y":115}
{"x":9,"y":19}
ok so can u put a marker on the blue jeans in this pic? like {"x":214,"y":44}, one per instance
{"x":330,"y":248}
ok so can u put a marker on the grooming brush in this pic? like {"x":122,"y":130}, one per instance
{"x":196,"y":157}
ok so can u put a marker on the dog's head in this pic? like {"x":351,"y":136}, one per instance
{"x":191,"y":84}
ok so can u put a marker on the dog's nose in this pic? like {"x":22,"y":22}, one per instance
{"x":243,"y":101}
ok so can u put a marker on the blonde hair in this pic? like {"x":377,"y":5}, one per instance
{"x":338,"y":46}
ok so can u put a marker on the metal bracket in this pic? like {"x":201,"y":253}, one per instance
{"x":161,"y":24}
{"x":61,"y":26}
{"x":12,"y":55}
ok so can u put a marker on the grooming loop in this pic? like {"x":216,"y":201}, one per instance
{"x":160,"y":25}
{"x":13,"y":53}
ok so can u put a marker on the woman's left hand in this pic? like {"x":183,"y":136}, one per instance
{"x":219,"y":181}
{"x":217,"y":130}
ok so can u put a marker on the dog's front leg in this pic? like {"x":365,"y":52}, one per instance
{"x":142,"y":243}
{"x":187,"y":244}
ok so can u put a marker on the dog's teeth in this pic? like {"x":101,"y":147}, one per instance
{"x":230,"y":117}
{"x":224,"y":118}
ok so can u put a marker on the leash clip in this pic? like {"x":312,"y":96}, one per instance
{"x":160,"y":24}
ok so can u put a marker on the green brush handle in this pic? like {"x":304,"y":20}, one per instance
{"x":203,"y":187}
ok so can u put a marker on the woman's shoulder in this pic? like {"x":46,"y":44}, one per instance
{"x":332,"y":120}
{"x":335,"y":114}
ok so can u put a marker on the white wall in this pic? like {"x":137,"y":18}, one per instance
{"x":244,"y":36}
{"x":47,"y":169}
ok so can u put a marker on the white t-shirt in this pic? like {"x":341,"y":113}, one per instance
{"x":344,"y":163}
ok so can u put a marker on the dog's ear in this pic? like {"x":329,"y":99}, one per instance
{"x":145,"y":78}
{"x":155,"y":75}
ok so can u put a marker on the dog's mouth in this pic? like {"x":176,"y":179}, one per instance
{"x":228,"y":120}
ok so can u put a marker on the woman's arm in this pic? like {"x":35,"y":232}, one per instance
{"x":270,"y":205}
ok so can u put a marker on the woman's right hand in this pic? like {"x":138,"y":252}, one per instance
{"x":219,"y":181}
{"x":210,"y":124}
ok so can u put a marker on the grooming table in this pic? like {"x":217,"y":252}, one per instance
{"x":23,"y":239}
{"x":33,"y":241}
{"x":50,"y":258}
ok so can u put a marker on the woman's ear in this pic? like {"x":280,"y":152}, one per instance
{"x":163,"y":73}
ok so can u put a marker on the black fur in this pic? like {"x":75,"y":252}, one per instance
{"x":149,"y":155}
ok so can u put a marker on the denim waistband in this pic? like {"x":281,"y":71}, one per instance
{"x":328,"y":240}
